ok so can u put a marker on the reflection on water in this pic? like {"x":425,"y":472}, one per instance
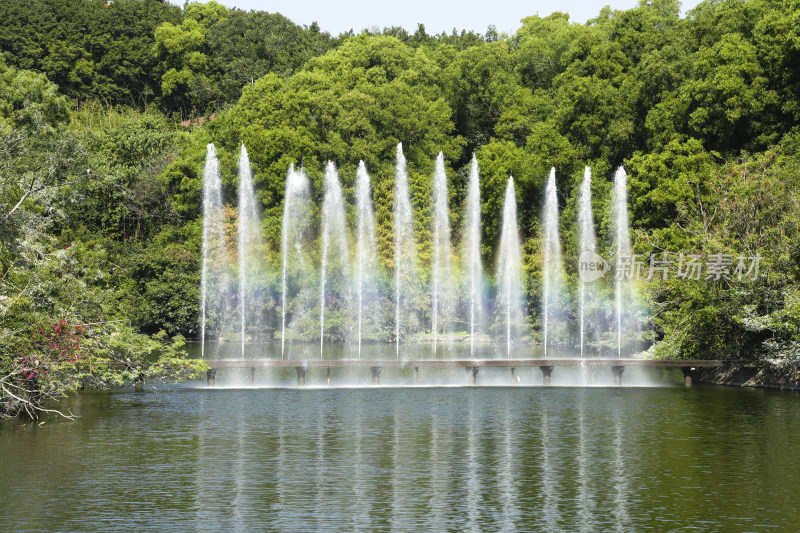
{"x":473,"y":464}
{"x":620,"y":479}
{"x":585,"y":490}
{"x":509,"y":465}
{"x":548,"y":469}
{"x":438,"y":479}
{"x":409,"y":459}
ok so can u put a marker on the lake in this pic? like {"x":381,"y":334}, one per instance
{"x":428,"y":458}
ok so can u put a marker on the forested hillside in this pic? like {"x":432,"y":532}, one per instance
{"x":100,"y":185}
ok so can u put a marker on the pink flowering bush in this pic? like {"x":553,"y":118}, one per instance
{"x":51,"y":344}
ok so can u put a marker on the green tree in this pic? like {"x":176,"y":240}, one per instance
{"x":724,"y":101}
{"x":89,"y":49}
{"x":245,"y":46}
{"x":670,"y":187}
{"x":180,"y":50}
{"x":37,"y":157}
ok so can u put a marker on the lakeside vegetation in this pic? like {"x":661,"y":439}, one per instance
{"x":100,"y":185}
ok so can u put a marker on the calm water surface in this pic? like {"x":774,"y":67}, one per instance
{"x":409,"y":459}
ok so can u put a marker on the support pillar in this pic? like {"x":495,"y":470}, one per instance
{"x":546,"y":371}
{"x":211,"y":377}
{"x":687,"y":375}
{"x":376,"y":374}
{"x":416,"y":375}
{"x":472,"y":372}
{"x":513,"y":375}
{"x":301,"y":375}
{"x":138,"y":385}
{"x":618,"y":370}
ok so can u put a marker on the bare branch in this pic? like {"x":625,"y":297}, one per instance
{"x":31,"y":408}
{"x":8,"y":215}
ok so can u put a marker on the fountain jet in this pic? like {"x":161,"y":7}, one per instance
{"x":249,"y":237}
{"x":294,"y":203}
{"x":587,"y":246}
{"x":365,"y":254}
{"x":472,"y":252}
{"x":441,"y":249}
{"x":552,"y":256}
{"x":509,"y":268}
{"x":405,"y":247}
{"x":333,"y":229}
{"x":214,"y":274}
{"x":623,"y":243}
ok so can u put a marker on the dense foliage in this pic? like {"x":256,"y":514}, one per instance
{"x":100,"y":205}
{"x":141,"y":52}
{"x":76,"y":208}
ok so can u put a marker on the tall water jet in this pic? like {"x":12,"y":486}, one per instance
{"x":365,"y":254}
{"x":441,"y":248}
{"x":587,"y":244}
{"x":213,"y":282}
{"x":509,"y":268}
{"x":249,"y":237}
{"x":405,"y":255}
{"x":623,"y":242}
{"x":333,"y":229}
{"x":472,"y":251}
{"x":297,"y":189}
{"x":552,"y":255}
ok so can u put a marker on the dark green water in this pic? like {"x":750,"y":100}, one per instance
{"x":409,"y":459}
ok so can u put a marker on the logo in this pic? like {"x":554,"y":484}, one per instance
{"x":591,"y":266}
